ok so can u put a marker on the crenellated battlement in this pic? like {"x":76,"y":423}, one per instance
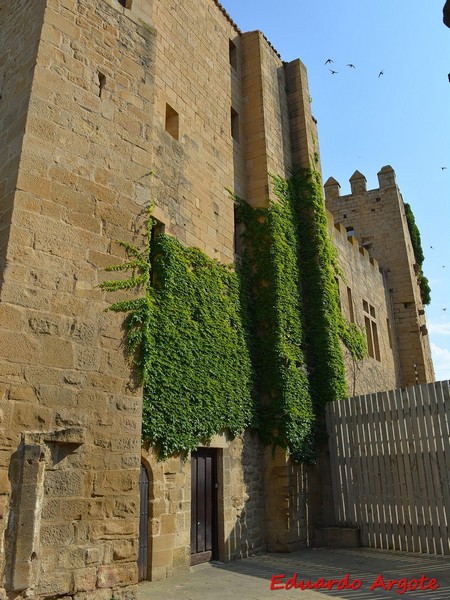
{"x":339,"y":231}
{"x":358,"y":183}
{"x":375,"y":223}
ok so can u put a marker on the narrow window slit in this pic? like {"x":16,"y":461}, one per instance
{"x":172,"y":122}
{"x":101,"y":83}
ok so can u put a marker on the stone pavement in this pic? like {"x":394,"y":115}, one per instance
{"x":250,"y":578}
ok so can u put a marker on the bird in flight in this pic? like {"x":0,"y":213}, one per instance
{"x":328,"y":61}
{"x":351,"y":66}
{"x":380,"y":73}
{"x":432,"y":247}
{"x":444,"y":309}
{"x":333,"y":72}
{"x":443,"y":168}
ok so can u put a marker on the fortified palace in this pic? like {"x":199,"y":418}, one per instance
{"x":105,"y":104}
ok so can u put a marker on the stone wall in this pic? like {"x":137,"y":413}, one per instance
{"x":240,"y":499}
{"x":21,"y":24}
{"x":107,"y":108}
{"x":70,"y":449}
{"x":362,"y":282}
{"x":377,"y":218}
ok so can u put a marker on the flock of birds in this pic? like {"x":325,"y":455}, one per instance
{"x":329,"y":61}
{"x":443,"y":266}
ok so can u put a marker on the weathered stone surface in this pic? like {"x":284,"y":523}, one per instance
{"x":75,"y":158}
{"x":63,"y":483}
{"x":114,"y":481}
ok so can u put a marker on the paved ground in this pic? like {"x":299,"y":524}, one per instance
{"x":250,"y":579}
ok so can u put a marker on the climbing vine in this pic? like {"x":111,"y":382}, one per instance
{"x":187,"y":334}
{"x":269,"y":267}
{"x":297,"y":322}
{"x":257,"y":347}
{"x":425,"y":290}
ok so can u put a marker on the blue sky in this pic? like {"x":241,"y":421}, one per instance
{"x":365,"y":122}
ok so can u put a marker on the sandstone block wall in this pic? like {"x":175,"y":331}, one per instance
{"x":240,"y":497}
{"x":105,"y":108}
{"x":70,"y":416}
{"x":21,"y":24}
{"x":377,"y":218}
{"x":363,"y":282}
{"x":109,"y":96}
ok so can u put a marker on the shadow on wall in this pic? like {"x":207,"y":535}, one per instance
{"x":18,"y":48}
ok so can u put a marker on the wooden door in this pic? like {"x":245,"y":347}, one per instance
{"x":143,"y":525}
{"x":203,"y":505}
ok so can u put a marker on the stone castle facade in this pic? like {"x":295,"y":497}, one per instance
{"x":96,"y":95}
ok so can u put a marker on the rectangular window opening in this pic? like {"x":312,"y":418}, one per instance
{"x":125,"y":3}
{"x":369,"y":337}
{"x":233,"y":55}
{"x":388,"y":325}
{"x":373,"y":344}
{"x":172,"y":122}
{"x":237,"y":234}
{"x":376,"y":345}
{"x":350,"y":305}
{"x":158,"y":228}
{"x":234,"y":125}
{"x":339,"y":292}
{"x":101,"y":83}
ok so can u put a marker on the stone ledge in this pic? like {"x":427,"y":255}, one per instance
{"x":337,"y":537}
{"x":69,"y":435}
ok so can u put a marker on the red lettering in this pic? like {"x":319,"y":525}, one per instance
{"x":391,"y":583}
{"x":331,"y":582}
{"x":402,"y":586}
{"x":344,"y":583}
{"x":291,"y":582}
{"x":305,"y":585}
{"x":434,"y":585}
{"x":275,"y":583}
{"x":379,"y":582}
{"x":356,"y":584}
{"x":413,"y":582}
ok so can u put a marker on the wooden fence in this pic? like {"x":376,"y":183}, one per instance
{"x":390,"y":462}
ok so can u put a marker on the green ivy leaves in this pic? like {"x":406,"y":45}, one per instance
{"x":425,"y":290}
{"x":218,"y":349}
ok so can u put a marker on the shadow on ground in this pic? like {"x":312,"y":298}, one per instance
{"x":250,"y":578}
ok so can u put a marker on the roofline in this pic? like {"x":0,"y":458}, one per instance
{"x":238,"y":30}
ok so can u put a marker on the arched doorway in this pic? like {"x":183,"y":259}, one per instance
{"x":143,"y":524}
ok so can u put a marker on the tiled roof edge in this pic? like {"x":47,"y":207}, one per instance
{"x":221,"y":8}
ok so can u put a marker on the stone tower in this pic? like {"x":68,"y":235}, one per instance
{"x":95,"y":95}
{"x":377,"y":219}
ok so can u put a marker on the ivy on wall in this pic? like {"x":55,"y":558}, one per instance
{"x":188,"y":336}
{"x":425,"y":290}
{"x":257,"y":347}
{"x":269,"y":267}
{"x":297,"y":323}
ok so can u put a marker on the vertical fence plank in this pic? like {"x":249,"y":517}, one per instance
{"x":441,"y":418}
{"x":390,"y":458}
